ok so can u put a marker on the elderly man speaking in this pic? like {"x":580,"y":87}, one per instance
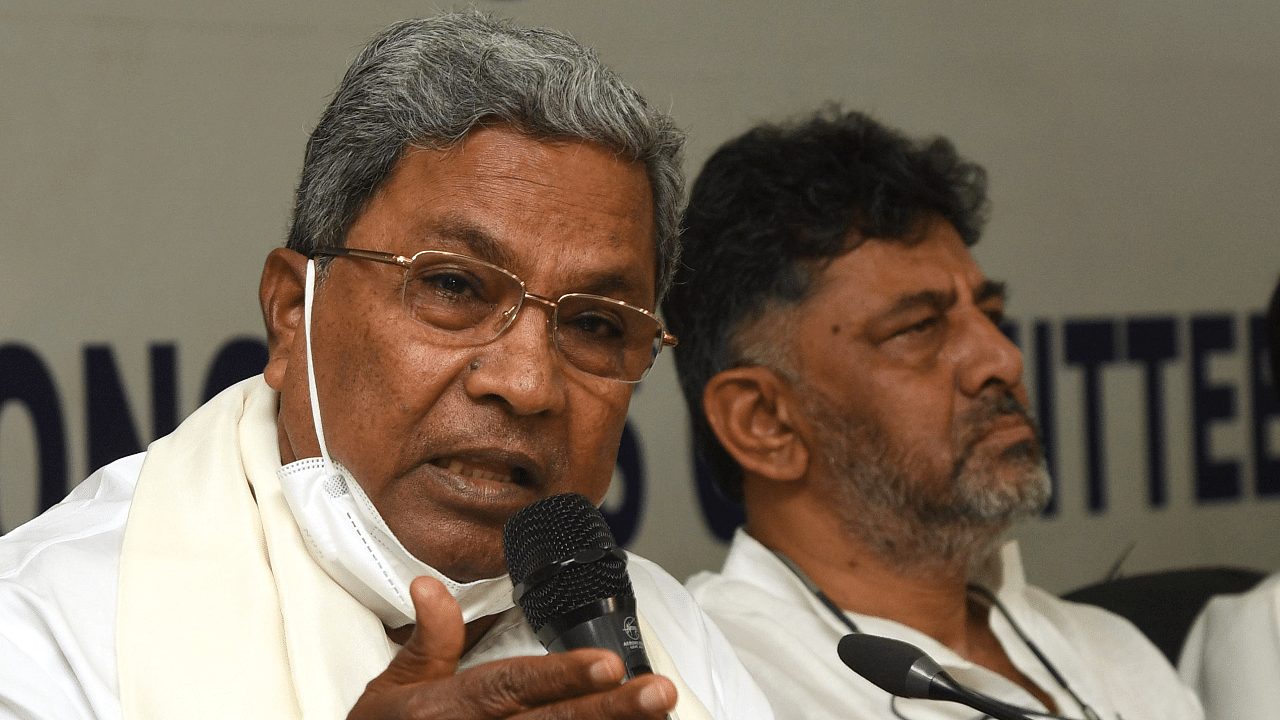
{"x":485,"y":222}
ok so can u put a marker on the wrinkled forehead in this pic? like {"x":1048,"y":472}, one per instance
{"x":605,"y":266}
{"x":934,"y":260}
{"x":565,"y":216}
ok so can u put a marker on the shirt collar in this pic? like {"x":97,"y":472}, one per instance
{"x":1001,"y":573}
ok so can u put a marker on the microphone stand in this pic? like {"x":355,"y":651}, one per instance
{"x":944,"y":688}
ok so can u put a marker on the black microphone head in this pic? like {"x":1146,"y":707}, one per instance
{"x":562,"y":556}
{"x":894,"y":666}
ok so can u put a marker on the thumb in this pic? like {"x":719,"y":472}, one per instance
{"x":434,"y":647}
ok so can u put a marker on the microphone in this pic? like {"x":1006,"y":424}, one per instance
{"x":902,"y":669}
{"x":571,"y":581}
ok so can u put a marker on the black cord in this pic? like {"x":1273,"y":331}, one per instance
{"x":817,"y":591}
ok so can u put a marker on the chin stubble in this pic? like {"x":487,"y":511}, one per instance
{"x":916,"y":519}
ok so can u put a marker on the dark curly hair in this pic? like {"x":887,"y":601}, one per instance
{"x":773,"y":208}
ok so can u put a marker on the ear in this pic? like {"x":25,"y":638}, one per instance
{"x":753,"y":413}
{"x":281,"y":293}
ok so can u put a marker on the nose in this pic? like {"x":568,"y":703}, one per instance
{"x":987,"y":357}
{"x":521,"y":368}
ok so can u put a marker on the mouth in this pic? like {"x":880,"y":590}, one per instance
{"x":1009,"y":426}
{"x":1009,"y":436}
{"x":999,"y":420}
{"x":497,"y":470}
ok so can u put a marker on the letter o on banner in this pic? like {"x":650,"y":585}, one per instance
{"x":25,"y":379}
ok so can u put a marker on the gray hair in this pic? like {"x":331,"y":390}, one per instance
{"x":429,"y":82}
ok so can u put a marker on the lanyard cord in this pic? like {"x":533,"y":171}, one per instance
{"x":813,"y":588}
{"x":981,"y":592}
{"x":993,"y":601}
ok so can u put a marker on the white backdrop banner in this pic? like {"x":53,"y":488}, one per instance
{"x":150,"y":150}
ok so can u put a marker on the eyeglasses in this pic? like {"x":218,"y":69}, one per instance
{"x":475,"y":302}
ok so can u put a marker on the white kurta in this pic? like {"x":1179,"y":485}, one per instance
{"x":1232,"y":655}
{"x":58,"y":614}
{"x":788,"y":640}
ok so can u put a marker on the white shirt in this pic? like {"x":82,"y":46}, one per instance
{"x":788,"y":638}
{"x":58,"y":581}
{"x":1232,"y":654}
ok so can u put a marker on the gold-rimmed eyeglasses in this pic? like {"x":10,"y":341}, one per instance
{"x":475,"y":302}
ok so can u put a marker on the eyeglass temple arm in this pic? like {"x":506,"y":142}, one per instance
{"x":374,"y":255}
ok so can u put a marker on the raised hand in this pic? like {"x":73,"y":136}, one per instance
{"x":422,"y":682}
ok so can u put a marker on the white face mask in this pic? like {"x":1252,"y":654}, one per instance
{"x":349,"y":539}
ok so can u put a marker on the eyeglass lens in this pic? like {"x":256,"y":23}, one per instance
{"x":476,"y":301}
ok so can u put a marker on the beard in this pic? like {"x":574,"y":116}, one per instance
{"x":917,"y":519}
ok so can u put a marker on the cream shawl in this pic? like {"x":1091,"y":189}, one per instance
{"x":222,"y":613}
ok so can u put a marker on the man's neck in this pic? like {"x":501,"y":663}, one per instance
{"x":857,"y":580}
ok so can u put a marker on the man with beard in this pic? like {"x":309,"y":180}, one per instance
{"x":849,"y":383}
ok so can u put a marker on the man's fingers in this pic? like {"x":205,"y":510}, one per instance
{"x":433,"y":649}
{"x":648,"y":697}
{"x":421,"y":681}
{"x":577,"y":684}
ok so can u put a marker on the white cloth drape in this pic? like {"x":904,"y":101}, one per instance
{"x":1232,"y":654}
{"x":242,"y":601}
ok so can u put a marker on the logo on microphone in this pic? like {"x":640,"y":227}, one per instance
{"x":630,"y":628}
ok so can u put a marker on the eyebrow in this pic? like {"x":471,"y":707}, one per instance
{"x":614,"y":285}
{"x":479,"y":243}
{"x":933,"y":299}
{"x":941,"y":300}
{"x":990,"y":290}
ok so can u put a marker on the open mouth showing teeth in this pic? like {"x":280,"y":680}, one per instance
{"x":517,"y":476}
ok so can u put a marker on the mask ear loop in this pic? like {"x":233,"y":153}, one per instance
{"x":308,"y":296}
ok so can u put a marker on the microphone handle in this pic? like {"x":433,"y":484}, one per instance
{"x":609,"y":623}
{"x":943,"y":687}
